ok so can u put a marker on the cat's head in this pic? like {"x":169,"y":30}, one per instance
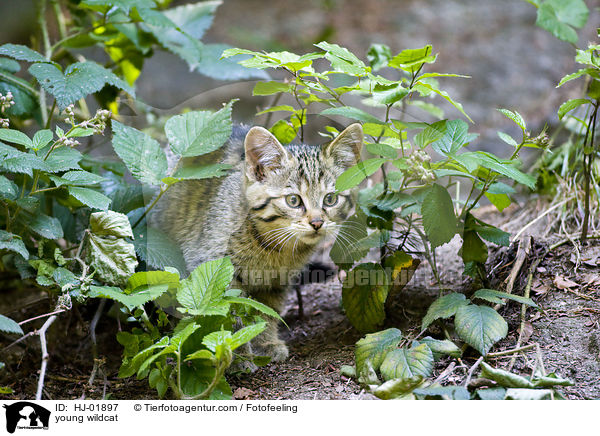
{"x":291,"y":190}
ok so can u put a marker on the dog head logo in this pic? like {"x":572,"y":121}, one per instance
{"x":24,"y":414}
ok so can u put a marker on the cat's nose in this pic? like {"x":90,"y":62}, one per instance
{"x":316,"y":223}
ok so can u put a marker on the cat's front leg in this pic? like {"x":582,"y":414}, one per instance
{"x":268,"y":342}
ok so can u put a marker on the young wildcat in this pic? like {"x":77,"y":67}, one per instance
{"x":268,"y":214}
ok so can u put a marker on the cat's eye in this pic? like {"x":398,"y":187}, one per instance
{"x":330,"y":199}
{"x":293,"y":200}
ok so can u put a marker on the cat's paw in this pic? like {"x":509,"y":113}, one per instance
{"x":242,"y":366}
{"x":278,"y":352}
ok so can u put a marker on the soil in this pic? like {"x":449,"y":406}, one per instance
{"x":566,"y":329}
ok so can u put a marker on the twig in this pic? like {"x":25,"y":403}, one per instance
{"x":540,"y":217}
{"x":472,"y":370}
{"x":526,"y":294}
{"x":446,"y":373}
{"x":45,"y":356}
{"x":513,"y":351}
{"x":93,"y":325}
{"x":56,"y":312}
{"x":522,"y":253}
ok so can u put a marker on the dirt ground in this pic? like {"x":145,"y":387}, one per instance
{"x":566,"y":329}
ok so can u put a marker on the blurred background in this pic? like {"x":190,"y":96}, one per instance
{"x":512,"y":63}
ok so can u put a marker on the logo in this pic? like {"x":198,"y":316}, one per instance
{"x":26,"y":415}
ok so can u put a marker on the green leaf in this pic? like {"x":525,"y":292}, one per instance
{"x":158,"y":250}
{"x":246,"y":334}
{"x":113,"y":260}
{"x":508,"y":139}
{"x":569,"y":105}
{"x":496,"y":297}
{"x":528,"y":394}
{"x":364,"y":292}
{"x":124,"y":5}
{"x":192,"y":21}
{"x":444,"y":307}
{"x":378,"y":56}
{"x":559,"y":17}
{"x":493,"y":163}
{"x":42,"y":138}
{"x":345,"y":251}
{"x":352,"y":113}
{"x":263,"y":308}
{"x":16,"y":137}
{"x":493,"y":234}
{"x":270,"y":88}
{"x":79,"y":80}
{"x":504,"y":378}
{"x":24,"y":96}
{"x":142,"y":154}
{"x":444,"y":95}
{"x":145,"y":279}
{"x":444,"y":392}
{"x":21,"y":53}
{"x":8,"y":188}
{"x":7,"y":325}
{"x":412,"y":59}
{"x":382,"y":150}
{"x":202,"y":292}
{"x":46,"y":226}
{"x":356,"y":174}
{"x":89,"y":197}
{"x":397,"y":388}
{"x":373,"y":348}
{"x":585,"y":71}
{"x":80,"y":132}
{"x":473,"y":248}
{"x":343,"y":60}
{"x":431,"y":133}
{"x":515,"y":117}
{"x":405,"y":363}
{"x":284,"y":131}
{"x":456,"y":135}
{"x":132,"y":300}
{"x":110,"y":223}
{"x":62,"y":159}
{"x":439,"y":347}
{"x":197,"y":173}
{"x":199,"y":132}
{"x":550,"y":380}
{"x":211,"y":65}
{"x":11,"y":242}
{"x":77,"y":178}
{"x":480,"y":326}
{"x":439,"y":220}
{"x":501,"y":201}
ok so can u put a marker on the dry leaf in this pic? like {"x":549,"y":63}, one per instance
{"x":539,"y":287}
{"x":591,"y":279}
{"x":527,"y":331}
{"x":242,"y":393}
{"x":564,"y":283}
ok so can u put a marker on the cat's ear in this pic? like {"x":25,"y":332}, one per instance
{"x":345,"y":148}
{"x":264,"y":153}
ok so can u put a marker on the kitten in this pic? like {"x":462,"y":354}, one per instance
{"x":269,"y":213}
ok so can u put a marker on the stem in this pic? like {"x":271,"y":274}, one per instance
{"x":160,"y":194}
{"x":60,"y":18}
{"x":47,"y":52}
{"x":588,"y":159}
{"x":8,"y":78}
{"x":50,"y":114}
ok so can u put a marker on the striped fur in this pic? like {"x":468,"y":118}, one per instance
{"x":245,"y":216}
